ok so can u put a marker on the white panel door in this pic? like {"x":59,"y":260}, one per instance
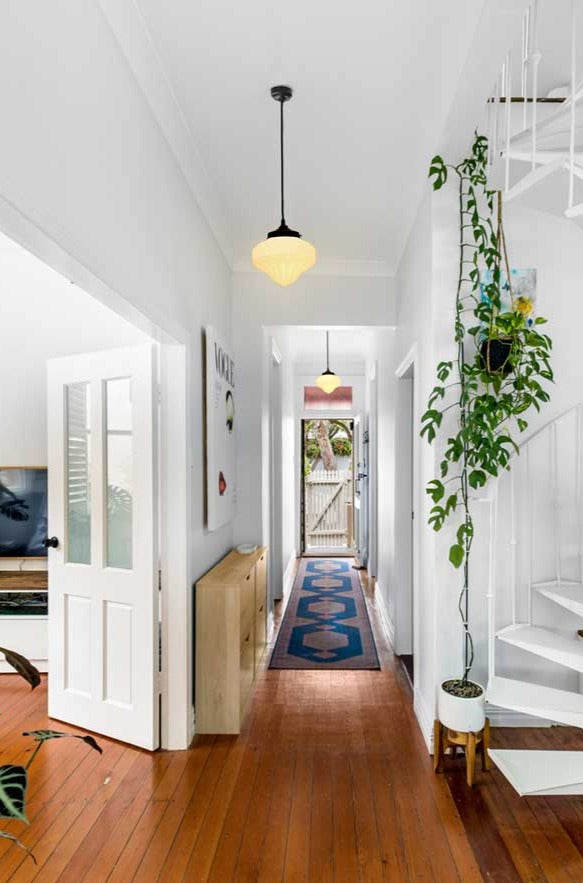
{"x":103,"y":574}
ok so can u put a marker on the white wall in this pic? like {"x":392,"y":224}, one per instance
{"x":259,"y":303}
{"x":290,"y":464}
{"x":416,"y":321}
{"x":43,"y":316}
{"x":83,"y":159}
{"x":382,"y":362}
{"x":88,"y":181}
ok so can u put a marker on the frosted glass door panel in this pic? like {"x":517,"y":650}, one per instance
{"x":119,"y":453}
{"x":78,"y":486}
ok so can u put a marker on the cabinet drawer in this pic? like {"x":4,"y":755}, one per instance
{"x":247,"y":603}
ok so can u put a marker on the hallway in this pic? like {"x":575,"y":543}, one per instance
{"x":263,"y":806}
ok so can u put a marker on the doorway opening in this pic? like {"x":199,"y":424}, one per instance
{"x":327,"y":483}
{"x":114,"y":410}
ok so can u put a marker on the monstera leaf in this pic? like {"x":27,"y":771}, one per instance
{"x":13,"y":782}
{"x":46,"y":735}
{"x":24,"y":668}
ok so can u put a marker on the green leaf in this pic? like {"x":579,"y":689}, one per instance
{"x":438,"y":172}
{"x":13,"y":784}
{"x":435,"y":489}
{"x":451,"y":504}
{"x":429,"y":431}
{"x":24,"y":668}
{"x":522,"y":424}
{"x":46,"y":735}
{"x":477,"y":478}
{"x":456,"y":555}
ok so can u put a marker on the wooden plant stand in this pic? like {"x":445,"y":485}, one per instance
{"x":444,"y":738}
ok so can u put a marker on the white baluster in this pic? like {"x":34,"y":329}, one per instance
{"x":557,"y":516}
{"x":530,"y":495}
{"x":508,"y":95}
{"x":525,"y":58}
{"x":580,"y":488}
{"x":491,"y":594}
{"x":573,"y":104}
{"x":512,"y":548}
{"x":536,"y":57}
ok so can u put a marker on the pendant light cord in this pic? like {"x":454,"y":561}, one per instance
{"x":327,"y":353}
{"x":281,"y":157}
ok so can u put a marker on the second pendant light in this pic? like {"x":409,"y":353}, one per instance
{"x":328,"y":381}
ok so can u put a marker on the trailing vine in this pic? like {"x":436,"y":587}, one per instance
{"x":490,"y":404}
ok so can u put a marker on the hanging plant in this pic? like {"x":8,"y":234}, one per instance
{"x":497,"y":377}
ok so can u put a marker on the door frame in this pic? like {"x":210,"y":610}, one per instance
{"x":405,"y":514}
{"x":372,"y":469}
{"x":275,"y":560}
{"x":176,"y":440}
{"x":318,"y":553}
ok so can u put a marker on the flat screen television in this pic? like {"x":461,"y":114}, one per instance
{"x":23,"y":511}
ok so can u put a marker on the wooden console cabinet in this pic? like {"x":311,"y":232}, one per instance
{"x":231,"y":619}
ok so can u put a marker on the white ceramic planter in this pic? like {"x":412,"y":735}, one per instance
{"x":463,"y":715}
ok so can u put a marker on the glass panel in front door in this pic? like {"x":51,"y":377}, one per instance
{"x":78,"y":486}
{"x":119,"y":469}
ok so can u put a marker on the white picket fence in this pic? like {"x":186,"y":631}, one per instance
{"x":328,"y":510}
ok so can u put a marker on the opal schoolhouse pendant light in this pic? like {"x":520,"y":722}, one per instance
{"x":328,"y":381}
{"x":284,"y":255}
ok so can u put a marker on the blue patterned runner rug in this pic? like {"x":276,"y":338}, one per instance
{"x":326,"y":624}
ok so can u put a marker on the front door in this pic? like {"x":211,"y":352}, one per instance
{"x":103,"y":574}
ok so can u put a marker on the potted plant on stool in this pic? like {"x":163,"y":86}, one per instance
{"x":494,"y":380}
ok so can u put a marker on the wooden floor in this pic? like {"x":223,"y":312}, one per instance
{"x":330,"y":781}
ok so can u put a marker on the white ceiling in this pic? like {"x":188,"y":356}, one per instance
{"x":373,"y":83}
{"x":306,"y":345}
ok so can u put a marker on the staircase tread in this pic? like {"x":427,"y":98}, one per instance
{"x":536,"y":771}
{"x":511,"y":693}
{"x":544,"y":642}
{"x":559,"y":584}
{"x":572,"y":593}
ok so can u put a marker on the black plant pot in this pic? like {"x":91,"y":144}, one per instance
{"x":495,"y":352}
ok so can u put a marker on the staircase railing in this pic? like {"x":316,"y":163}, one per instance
{"x":541,"y":545}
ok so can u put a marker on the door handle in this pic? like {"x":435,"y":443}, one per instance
{"x":50,"y":542}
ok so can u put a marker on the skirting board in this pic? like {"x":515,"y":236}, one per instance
{"x":424,"y":719}
{"x":386,"y":621}
{"x":288,"y":581}
{"x":504,"y":717}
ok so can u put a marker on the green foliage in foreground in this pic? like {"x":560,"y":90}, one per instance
{"x":490,"y":407}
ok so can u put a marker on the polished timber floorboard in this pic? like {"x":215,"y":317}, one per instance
{"x":330,"y":781}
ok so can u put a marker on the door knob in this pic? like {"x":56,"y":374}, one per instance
{"x":50,"y":542}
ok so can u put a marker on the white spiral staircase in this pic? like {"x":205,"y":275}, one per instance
{"x":537,"y":526}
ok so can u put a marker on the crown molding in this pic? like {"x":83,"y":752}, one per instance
{"x":135,"y":42}
{"x":327,"y":267}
